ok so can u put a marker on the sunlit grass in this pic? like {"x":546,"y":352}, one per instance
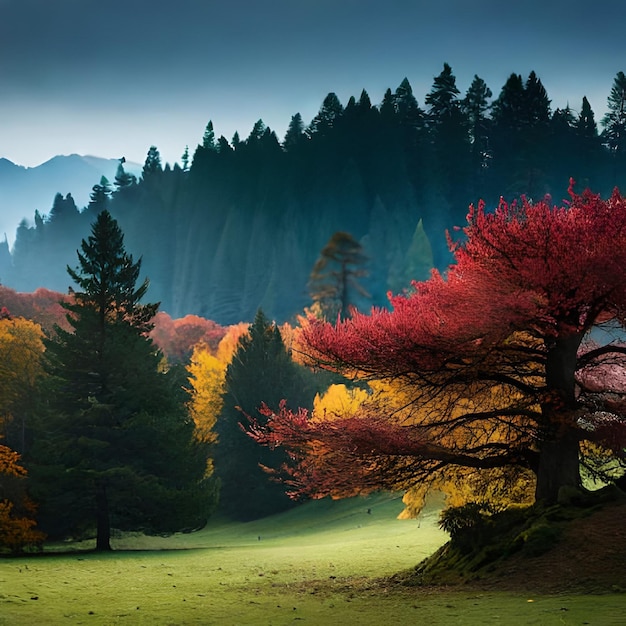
{"x":317,"y":564}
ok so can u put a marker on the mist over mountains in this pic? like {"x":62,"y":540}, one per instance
{"x":24,"y":190}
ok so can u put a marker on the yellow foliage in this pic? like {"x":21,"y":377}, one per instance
{"x":21,"y":349}
{"x":498,"y":488}
{"x":206,"y":377}
{"x":338,"y":401}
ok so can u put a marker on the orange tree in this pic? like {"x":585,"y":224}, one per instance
{"x":17,"y":526}
{"x":495,"y":361}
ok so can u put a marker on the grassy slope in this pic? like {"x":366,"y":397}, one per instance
{"x":315,"y":564}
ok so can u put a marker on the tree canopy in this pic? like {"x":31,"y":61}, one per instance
{"x":496,"y":367}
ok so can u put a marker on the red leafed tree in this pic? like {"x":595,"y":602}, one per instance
{"x":501,"y":365}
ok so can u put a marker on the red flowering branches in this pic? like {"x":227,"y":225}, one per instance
{"x":487,"y":367}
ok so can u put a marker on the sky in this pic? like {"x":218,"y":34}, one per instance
{"x":112,"y":78}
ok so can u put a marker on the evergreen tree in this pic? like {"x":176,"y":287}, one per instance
{"x":152,"y":164}
{"x":520,"y":137}
{"x":614,"y":123}
{"x":122,"y":178}
{"x":329,"y":114}
{"x":295,"y":133}
{"x":261,"y":371}
{"x":449,"y":134}
{"x":590,"y":156}
{"x":443,"y":97}
{"x":476,"y":105}
{"x":99,"y":197}
{"x":117,"y":443}
{"x":185,"y":159}
{"x":408,"y":112}
{"x":208,"y":139}
{"x":334,"y":281}
{"x":63,"y":209}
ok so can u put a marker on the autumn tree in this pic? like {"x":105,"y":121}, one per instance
{"x":176,"y":338}
{"x":17,"y":525}
{"x":206,"y":380}
{"x":21,"y":371}
{"x":334,"y":282}
{"x":116,"y":445}
{"x":496,"y":362}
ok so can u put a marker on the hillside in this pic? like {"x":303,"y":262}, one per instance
{"x":570,"y":548}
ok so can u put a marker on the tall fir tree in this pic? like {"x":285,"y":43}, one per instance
{"x":116,"y":447}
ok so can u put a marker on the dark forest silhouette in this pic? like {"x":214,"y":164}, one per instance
{"x":239,"y":224}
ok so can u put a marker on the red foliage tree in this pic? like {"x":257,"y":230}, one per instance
{"x":494,"y":360}
{"x":177,"y":337}
{"x":42,"y":306}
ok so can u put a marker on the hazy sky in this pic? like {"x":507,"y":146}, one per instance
{"x":112,"y":78}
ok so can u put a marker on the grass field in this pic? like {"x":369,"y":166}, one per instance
{"x":318,"y":564}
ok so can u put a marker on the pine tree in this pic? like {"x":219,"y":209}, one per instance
{"x":614,"y":123}
{"x":152,"y":164}
{"x":476,"y":105}
{"x":99,"y":197}
{"x":185,"y":159}
{"x":261,"y":371}
{"x":117,"y":439}
{"x":295,"y":133}
{"x":122,"y":178}
{"x":329,"y":114}
{"x":208,"y":139}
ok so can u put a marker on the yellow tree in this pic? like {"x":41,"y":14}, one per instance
{"x":21,"y":350}
{"x":206,"y":377}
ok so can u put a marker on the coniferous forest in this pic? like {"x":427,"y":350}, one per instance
{"x":239,"y":224}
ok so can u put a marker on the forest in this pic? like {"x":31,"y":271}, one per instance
{"x":490,"y":368}
{"x":238,"y":225}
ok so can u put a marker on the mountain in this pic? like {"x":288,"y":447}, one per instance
{"x":23,"y":190}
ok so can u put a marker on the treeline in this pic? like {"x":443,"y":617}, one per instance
{"x":239,"y":225}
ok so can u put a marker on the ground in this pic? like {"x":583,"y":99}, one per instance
{"x":574,"y":549}
{"x":591,"y":557}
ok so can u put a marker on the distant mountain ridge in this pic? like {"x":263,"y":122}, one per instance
{"x":23,"y":190}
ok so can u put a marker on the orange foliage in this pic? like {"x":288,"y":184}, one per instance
{"x":177,"y":338}
{"x":17,"y":526}
{"x":230,"y":341}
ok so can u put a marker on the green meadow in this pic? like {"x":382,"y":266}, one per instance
{"x":323,"y":563}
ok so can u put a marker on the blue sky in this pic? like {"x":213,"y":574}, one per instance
{"x":112,"y":78}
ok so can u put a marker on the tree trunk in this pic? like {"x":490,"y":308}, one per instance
{"x":559,"y":464}
{"x":103,"y":538}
